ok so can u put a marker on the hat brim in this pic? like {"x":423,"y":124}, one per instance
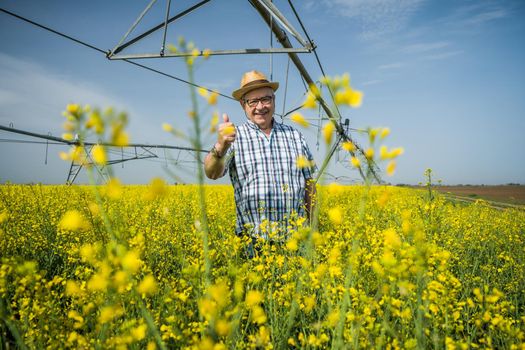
{"x":238,"y":94}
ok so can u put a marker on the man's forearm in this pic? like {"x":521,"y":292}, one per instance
{"x":213,"y":166}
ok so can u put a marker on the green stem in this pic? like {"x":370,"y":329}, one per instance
{"x":197,"y":144}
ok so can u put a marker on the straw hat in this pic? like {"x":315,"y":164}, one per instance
{"x":253,"y":80}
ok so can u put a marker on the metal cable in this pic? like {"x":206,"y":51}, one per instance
{"x":314,"y":50}
{"x":107,"y":52}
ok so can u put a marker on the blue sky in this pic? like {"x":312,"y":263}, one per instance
{"x":447,"y":77}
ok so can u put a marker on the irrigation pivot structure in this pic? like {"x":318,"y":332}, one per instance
{"x":279,"y":26}
{"x":138,"y":152}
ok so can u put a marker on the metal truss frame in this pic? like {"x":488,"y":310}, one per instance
{"x":269,"y":8}
{"x":270,"y":14}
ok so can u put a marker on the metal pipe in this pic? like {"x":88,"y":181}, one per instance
{"x":285,"y":42}
{"x":211,"y":53}
{"x":157,"y":27}
{"x":165,"y":28}
{"x":139,"y":18}
{"x":270,"y":7}
{"x":58,"y":139}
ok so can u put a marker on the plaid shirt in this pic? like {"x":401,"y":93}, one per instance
{"x":267,"y":183}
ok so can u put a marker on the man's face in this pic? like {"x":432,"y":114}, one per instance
{"x":259,"y":105}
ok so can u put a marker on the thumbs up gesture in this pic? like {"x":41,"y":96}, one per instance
{"x":226,"y":135}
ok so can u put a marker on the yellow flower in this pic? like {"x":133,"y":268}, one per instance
{"x":212,"y":100}
{"x":383,"y":152}
{"x":309,"y":303}
{"x":203,"y":92}
{"x":64,"y":156}
{"x":108,"y":313}
{"x":325,"y":80}
{"x":68,"y":126}
{"x":335,"y":215}
{"x":195,"y":52}
{"x":396,"y":152}
{"x":333,"y":256}
{"x":167,"y":127}
{"x":372,"y":134}
{"x":172,"y":48}
{"x":355,"y":162}
{"x":384,"y":133}
{"x":78,"y":155}
{"x":95,"y":121}
{"x":148,"y":285}
{"x":222,"y":327}
{"x":388,"y":259}
{"x":75,"y":316}
{"x":99,"y":155}
{"x":299,"y":119}
{"x":258,"y":315}
{"x":120,"y":279}
{"x":113,"y":188}
{"x":345,"y":80}
{"x":381,"y":201}
{"x":206,"y":53}
{"x":73,"y":108}
{"x":228,"y":130}
{"x":314,"y":90}
{"x":391,"y":238}
{"x":67,"y":136}
{"x":120,"y":138}
{"x":333,"y":318}
{"x":157,"y":189}
{"x":88,"y":252}
{"x":214,"y":121}
{"x":328,"y":131}
{"x":4,"y":216}
{"x":220,"y":292}
{"x":73,"y":220}
{"x":292,"y":245}
{"x":340,"y":97}
{"x":98,"y":282}
{"x":131,"y":261}
{"x":348,"y":146}
{"x":253,"y":298}
{"x":72,"y":288}
{"x":262,"y":339}
{"x":138,"y":333}
{"x":355,"y":98}
{"x":303,"y":162}
{"x":391,"y":168}
{"x":310,"y":101}
{"x":369,"y":153}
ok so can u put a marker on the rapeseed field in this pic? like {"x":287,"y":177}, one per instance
{"x":159,"y":267}
{"x":125,"y":267}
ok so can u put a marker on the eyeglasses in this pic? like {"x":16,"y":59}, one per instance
{"x":266,"y":100}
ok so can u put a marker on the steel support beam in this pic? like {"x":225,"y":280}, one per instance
{"x":157,"y":27}
{"x":285,"y":42}
{"x":211,"y":53}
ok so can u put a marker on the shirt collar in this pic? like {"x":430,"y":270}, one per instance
{"x":256,"y":127}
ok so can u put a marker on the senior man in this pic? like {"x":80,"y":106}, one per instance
{"x":261,"y":158}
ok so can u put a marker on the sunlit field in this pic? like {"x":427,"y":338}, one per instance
{"x":159,"y":267}
{"x":132,"y":267}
